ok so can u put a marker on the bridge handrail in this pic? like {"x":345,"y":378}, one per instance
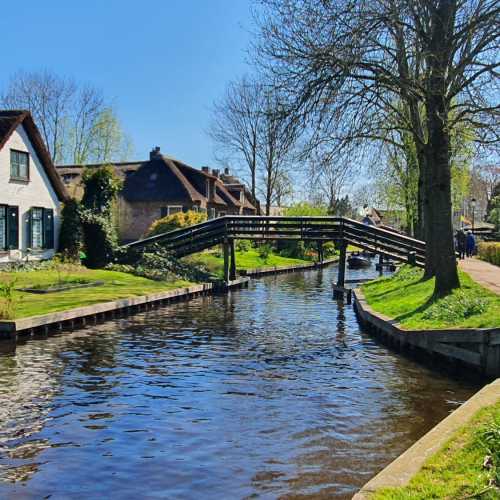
{"x":208,"y":233}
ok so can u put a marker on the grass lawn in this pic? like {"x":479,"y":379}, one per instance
{"x":116,"y":285}
{"x":457,"y":471}
{"x":408,"y":299}
{"x":214,"y":262}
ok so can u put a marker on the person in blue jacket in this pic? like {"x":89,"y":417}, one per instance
{"x":470,"y":244}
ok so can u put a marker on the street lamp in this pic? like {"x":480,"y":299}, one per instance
{"x":473,"y":204}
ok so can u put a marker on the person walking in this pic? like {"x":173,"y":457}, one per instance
{"x":470,"y":245}
{"x":461,"y":243}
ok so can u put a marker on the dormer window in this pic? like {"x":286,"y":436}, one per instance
{"x":19,"y":165}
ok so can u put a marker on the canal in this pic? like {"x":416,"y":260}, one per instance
{"x":268,"y":392}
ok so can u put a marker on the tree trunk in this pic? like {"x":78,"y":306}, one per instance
{"x":439,"y":229}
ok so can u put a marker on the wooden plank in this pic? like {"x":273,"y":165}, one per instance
{"x":449,"y":350}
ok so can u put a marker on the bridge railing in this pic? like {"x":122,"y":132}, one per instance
{"x":209,"y":233}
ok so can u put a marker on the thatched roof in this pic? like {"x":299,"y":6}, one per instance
{"x":163,"y":178}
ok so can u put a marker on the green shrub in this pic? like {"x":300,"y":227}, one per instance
{"x":176,"y":221}
{"x":243,"y":245}
{"x":157,"y":264}
{"x":490,"y":252}
{"x":488,"y":437}
{"x":264,"y":251}
{"x":70,"y":239}
{"x":459,"y":305}
{"x":8,"y":301}
{"x":329,"y":249}
{"x":101,"y":187}
{"x":295,"y":249}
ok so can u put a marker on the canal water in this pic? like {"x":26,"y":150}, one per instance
{"x":269,"y":392}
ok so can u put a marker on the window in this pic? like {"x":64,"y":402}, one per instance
{"x":9,"y":227}
{"x":36,"y":228}
{"x":171,"y":209}
{"x":19,"y":165}
{"x":41,"y":230}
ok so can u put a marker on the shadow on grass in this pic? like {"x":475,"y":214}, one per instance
{"x":418,"y":310}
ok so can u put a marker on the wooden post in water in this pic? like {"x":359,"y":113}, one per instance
{"x":232,"y":266}
{"x":381,"y":264}
{"x":225,"y":247}
{"x":320,"y":252}
{"x":341,"y":272}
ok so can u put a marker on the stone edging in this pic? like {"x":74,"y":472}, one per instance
{"x":399,"y":472}
{"x":474,"y":347}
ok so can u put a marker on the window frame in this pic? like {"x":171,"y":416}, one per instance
{"x":20,"y":177}
{"x":168,"y":210}
{"x":5,"y":246}
{"x":45,"y":244}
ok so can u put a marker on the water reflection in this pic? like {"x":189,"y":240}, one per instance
{"x":268,"y":392}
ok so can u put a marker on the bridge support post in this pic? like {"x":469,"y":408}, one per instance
{"x":412,"y":258}
{"x":232,"y":263}
{"x":320,"y":252}
{"x":225,"y":247}
{"x":381,"y":264}
{"x":337,"y":294}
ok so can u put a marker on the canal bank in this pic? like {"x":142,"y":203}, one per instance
{"x":476,"y":348}
{"x":79,"y":317}
{"x":394,"y":479}
{"x":271,"y":391}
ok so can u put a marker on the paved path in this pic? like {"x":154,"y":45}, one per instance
{"x":482,"y":272}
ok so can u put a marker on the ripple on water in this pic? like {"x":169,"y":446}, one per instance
{"x":267,"y":392}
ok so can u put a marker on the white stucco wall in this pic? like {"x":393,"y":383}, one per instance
{"x":37,"y":192}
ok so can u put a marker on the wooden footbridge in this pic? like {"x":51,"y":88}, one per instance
{"x":341,"y":230}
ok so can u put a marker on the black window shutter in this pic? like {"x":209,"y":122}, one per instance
{"x":12,"y":228}
{"x":48,"y":228}
{"x":29,"y":216}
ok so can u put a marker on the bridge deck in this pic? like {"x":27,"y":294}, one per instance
{"x":193,"y":239}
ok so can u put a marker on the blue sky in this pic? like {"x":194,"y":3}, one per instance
{"x":162,"y":63}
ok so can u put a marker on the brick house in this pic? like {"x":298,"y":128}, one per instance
{"x":31,"y":192}
{"x":162,"y":186}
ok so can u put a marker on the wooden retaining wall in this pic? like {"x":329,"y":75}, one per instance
{"x":262,"y":271}
{"x":81,"y":316}
{"x":478,"y":348}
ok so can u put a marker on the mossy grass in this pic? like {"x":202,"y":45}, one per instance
{"x":250,"y":259}
{"x":468,"y":465}
{"x":117,"y":285}
{"x":409,"y":299}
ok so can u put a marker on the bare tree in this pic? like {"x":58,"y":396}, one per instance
{"x":235,"y":123}
{"x":343,"y":65}
{"x":76,"y":123}
{"x":48,"y":98}
{"x":275,"y":142}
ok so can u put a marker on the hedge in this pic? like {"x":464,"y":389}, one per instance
{"x":490,"y":252}
{"x":176,"y":221}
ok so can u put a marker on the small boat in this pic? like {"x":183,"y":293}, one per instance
{"x":356,"y":261}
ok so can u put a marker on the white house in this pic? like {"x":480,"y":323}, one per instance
{"x":31,"y":191}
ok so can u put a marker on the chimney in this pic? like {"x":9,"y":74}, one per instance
{"x":226,"y":171}
{"x":215,"y":172}
{"x":210,"y":189}
{"x":155,"y":152}
{"x":206,"y":170}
